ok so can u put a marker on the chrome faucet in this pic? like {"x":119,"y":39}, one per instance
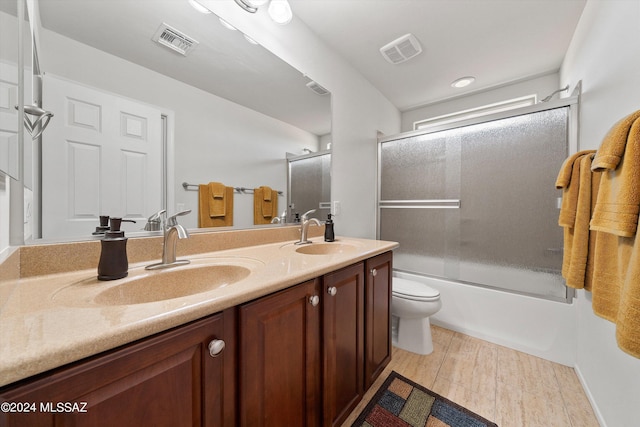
{"x":172,"y":232}
{"x":304,"y":227}
{"x":282,"y":219}
{"x":154,"y":222}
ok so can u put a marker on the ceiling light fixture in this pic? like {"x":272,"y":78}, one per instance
{"x":463,"y":82}
{"x":280,"y":11}
{"x":246,"y":5}
{"x":197,"y":6}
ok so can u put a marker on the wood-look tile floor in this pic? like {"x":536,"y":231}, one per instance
{"x":511,"y":388}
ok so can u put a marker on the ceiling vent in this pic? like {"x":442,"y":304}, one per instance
{"x":174,"y":39}
{"x":317,"y":88}
{"x":402,"y":49}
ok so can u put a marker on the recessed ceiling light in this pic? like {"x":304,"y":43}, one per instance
{"x":197,"y":6}
{"x":463,"y":82}
{"x":280,"y":11}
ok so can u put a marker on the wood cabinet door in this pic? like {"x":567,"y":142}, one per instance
{"x":167,"y":380}
{"x":377,"y":316}
{"x":343,"y":339}
{"x":280,"y":358}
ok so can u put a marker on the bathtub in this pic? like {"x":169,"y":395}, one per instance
{"x":533,"y":325}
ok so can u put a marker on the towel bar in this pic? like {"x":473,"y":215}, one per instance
{"x":239,"y":190}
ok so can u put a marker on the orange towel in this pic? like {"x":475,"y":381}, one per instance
{"x":578,"y":257}
{"x":570,"y":194}
{"x":564,"y":177}
{"x":618,"y":203}
{"x":628,"y":316}
{"x":265,"y":205}
{"x":217,"y":202}
{"x":205,"y":199}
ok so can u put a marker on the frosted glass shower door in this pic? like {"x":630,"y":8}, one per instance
{"x":478,"y":204}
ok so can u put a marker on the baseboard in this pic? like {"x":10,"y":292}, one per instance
{"x":592,"y":401}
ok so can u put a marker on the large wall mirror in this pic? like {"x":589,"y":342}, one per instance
{"x":187,"y":100}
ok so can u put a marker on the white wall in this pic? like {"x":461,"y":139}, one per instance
{"x":605,"y":55}
{"x":540,"y":86}
{"x":359,"y":110}
{"x":215,"y":139}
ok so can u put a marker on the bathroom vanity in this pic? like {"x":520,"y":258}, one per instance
{"x":296,"y":342}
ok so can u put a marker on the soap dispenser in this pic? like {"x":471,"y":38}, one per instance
{"x":329,"y":235}
{"x":113,"y":258}
{"x":103,"y":227}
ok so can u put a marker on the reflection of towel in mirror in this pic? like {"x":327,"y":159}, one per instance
{"x":265,"y":205}
{"x":210,"y":213}
{"x":217,"y":202}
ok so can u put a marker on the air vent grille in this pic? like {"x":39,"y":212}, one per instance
{"x":174,"y":39}
{"x":317,"y":88}
{"x":402,"y":49}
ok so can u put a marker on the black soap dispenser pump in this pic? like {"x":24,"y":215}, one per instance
{"x":113,"y":258}
{"x":329,"y":235}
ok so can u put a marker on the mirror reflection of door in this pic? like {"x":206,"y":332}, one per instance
{"x":309,"y":185}
{"x":101,"y":156}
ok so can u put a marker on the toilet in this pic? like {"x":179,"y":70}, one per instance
{"x":412,"y":303}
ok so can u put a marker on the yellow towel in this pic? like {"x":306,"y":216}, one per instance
{"x":628,"y":317}
{"x":217,"y":202}
{"x":618,"y":203}
{"x":570,"y":193}
{"x":564,"y":177}
{"x":204,"y":208}
{"x":577,"y":255}
{"x":614,"y":144}
{"x":265,"y":205}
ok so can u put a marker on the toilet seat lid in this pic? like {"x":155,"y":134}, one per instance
{"x":409,"y":289}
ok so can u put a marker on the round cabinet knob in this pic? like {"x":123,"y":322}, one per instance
{"x":216,"y":347}
{"x":332,"y":290}
{"x":374,"y":272}
{"x":314,"y":300}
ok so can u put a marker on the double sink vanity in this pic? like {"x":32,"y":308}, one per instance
{"x":254,"y":331}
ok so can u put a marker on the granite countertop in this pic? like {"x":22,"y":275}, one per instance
{"x":45,"y":323}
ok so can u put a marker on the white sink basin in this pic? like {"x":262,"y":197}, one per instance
{"x":325,"y":248}
{"x":143,"y":286}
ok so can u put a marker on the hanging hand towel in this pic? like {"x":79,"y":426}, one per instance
{"x":217,"y":202}
{"x":265,"y":205}
{"x":618,"y":204}
{"x":205,"y":199}
{"x":564,"y":177}
{"x":582,"y":240}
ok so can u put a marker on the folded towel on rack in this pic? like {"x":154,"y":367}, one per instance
{"x":206,"y":199}
{"x":564,"y":177}
{"x":265,"y":205}
{"x":618,"y":203}
{"x":217,"y":202}
{"x":579,"y":244}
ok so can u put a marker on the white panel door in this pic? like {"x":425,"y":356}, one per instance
{"x":9,"y":119}
{"x":101,"y":155}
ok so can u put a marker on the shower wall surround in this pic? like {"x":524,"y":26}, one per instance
{"x":477,"y":203}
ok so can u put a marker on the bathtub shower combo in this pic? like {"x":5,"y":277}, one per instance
{"x":473,"y":203}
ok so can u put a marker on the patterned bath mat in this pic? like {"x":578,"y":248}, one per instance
{"x":402,"y":403}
